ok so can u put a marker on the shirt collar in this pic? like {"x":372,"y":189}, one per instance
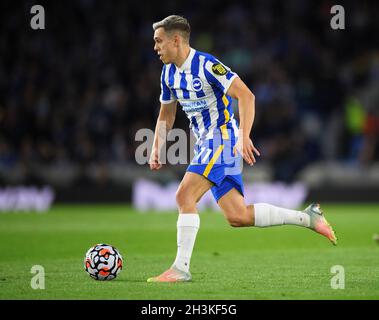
{"x":187,"y":63}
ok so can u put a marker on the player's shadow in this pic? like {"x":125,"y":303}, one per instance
{"x":132,"y":280}
{"x":143,"y":281}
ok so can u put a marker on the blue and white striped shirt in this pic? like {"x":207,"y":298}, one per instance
{"x":200,"y":86}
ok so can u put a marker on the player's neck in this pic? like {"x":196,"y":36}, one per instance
{"x":182,"y":56}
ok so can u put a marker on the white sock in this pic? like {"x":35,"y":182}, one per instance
{"x":188,"y":224}
{"x":266,"y":215}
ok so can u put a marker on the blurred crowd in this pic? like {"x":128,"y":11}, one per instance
{"x":76,"y":92}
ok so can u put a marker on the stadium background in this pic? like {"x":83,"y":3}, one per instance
{"x":72,"y":97}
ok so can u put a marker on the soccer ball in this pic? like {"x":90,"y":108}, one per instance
{"x":103,"y":262}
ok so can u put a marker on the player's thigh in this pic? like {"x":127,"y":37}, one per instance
{"x":232,"y":204}
{"x":193,"y":186}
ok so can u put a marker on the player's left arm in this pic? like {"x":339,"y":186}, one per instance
{"x":246,"y":106}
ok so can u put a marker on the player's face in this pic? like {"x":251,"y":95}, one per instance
{"x":165,"y":46}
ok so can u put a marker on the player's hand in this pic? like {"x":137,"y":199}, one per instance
{"x":154,"y":160}
{"x":246,"y":148}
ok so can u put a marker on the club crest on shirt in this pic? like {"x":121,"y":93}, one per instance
{"x":197,"y":84}
{"x":219,"y":69}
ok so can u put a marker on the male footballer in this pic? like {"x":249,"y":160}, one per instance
{"x":204,"y":88}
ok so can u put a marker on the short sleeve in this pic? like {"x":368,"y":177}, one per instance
{"x":219,"y":74}
{"x":166,"y":94}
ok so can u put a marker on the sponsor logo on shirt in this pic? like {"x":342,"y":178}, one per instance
{"x":194,"y":106}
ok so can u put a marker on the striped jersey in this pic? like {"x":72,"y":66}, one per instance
{"x":200,"y":86}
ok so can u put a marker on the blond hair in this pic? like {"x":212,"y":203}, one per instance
{"x":174,"y":23}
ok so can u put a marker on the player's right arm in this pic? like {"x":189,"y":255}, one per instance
{"x":165,"y":120}
{"x":164,"y":124}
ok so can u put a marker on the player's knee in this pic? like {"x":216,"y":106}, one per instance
{"x":237,"y":215}
{"x":236,"y":223}
{"x":184,"y":197}
{"x":236,"y":220}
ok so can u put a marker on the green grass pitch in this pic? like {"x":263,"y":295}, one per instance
{"x":286,"y":262}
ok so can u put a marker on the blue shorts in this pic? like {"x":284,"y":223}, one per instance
{"x":215,"y":160}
